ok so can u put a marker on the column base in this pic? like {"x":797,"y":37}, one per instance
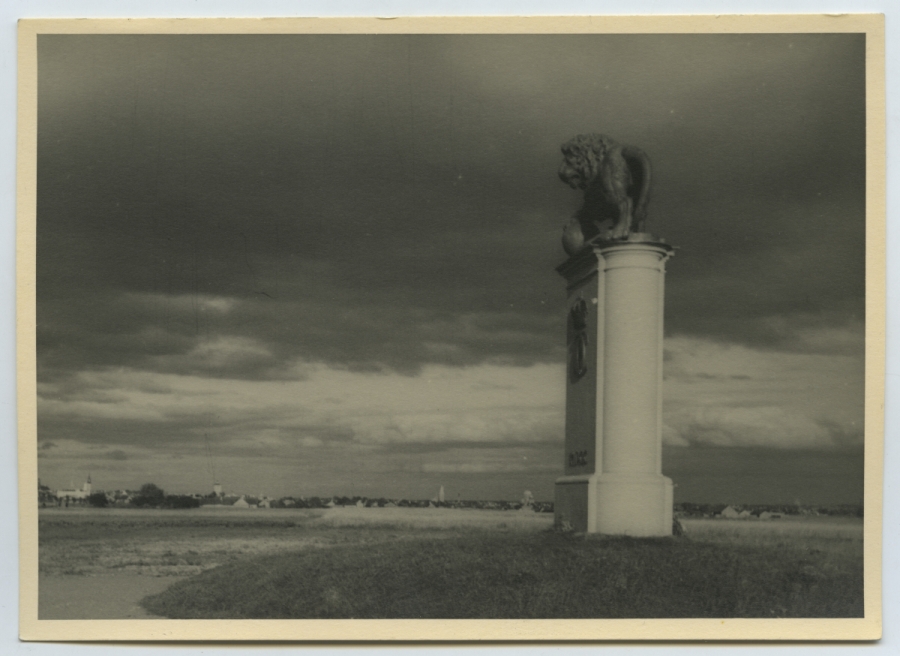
{"x":639,"y":505}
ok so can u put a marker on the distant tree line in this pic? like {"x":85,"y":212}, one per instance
{"x":151,"y":495}
{"x":381,"y":502}
{"x":686,"y":509}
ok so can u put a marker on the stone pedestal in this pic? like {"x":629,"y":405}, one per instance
{"x":613,"y":481}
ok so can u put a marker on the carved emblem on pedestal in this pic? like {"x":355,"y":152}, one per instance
{"x":578,"y":342}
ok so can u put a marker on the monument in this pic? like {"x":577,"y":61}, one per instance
{"x":613,"y":482}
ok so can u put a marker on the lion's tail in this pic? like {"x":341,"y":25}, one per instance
{"x":639,"y":164}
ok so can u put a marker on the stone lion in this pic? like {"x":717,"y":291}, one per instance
{"x":615,"y":179}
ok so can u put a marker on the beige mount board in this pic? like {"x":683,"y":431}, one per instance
{"x":815,"y":629}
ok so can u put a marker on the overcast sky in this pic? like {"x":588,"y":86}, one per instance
{"x":325,"y":264}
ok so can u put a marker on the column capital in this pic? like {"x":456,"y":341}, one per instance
{"x":587,"y":261}
{"x":634,"y":254}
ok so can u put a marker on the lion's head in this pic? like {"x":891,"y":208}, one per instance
{"x":582,"y":156}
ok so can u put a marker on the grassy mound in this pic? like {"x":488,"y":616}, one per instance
{"x":548,"y":575}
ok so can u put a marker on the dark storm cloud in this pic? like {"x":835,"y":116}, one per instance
{"x":173,"y":433}
{"x":181,"y":335}
{"x":390,"y":201}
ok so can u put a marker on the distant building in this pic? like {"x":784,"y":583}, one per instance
{"x":730,"y":513}
{"x":76,"y":495}
{"x":217,"y":490}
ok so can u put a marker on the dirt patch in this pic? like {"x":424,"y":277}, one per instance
{"x":99,"y":563}
{"x":107,"y":597}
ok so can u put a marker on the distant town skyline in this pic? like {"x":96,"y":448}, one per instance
{"x":318,"y":265}
{"x":717,"y":475}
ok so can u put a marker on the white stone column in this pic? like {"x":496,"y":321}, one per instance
{"x":614,"y":409}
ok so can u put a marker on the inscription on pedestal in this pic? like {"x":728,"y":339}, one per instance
{"x":578,"y":458}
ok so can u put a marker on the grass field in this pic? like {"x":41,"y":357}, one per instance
{"x":443,"y":563}
{"x":89,"y":541}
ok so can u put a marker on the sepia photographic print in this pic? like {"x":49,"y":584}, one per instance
{"x":570,"y":328}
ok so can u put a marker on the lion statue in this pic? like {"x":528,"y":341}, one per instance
{"x":616,"y":183}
